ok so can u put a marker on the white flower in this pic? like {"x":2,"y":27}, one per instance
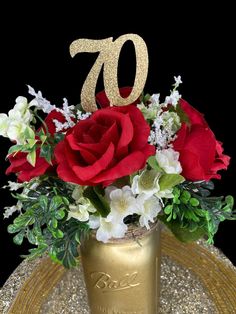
{"x":109,"y":229}
{"x":4,"y":123}
{"x":10,"y":210}
{"x":15,"y":131}
{"x":155,"y":99}
{"x":168,"y":160}
{"x":81,"y":211}
{"x":13,"y":186}
{"x":123,"y":203}
{"x":173,"y":99}
{"x":77,"y":193}
{"x":148,"y":209}
{"x":94,"y":222}
{"x":178,"y":81}
{"x":40,"y":102}
{"x":165,"y":194}
{"x":171,"y":121}
{"x":146,"y":183}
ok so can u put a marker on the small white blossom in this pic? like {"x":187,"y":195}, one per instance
{"x":178,"y":81}
{"x":168,"y":193}
{"x":173,"y":99}
{"x":155,"y":98}
{"x":94,"y":221}
{"x":40,"y":102}
{"x":148,"y":209}
{"x":168,"y":160}
{"x":146,"y":183}
{"x":15,"y":132}
{"x":83,"y":116}
{"x":109,"y":229}
{"x":123,"y":203}
{"x":10,"y":210}
{"x":81,"y":210}
{"x":4,"y":122}
{"x":13,"y":186}
{"x":77,"y":193}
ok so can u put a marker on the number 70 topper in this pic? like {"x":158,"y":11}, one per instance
{"x":109,"y":52}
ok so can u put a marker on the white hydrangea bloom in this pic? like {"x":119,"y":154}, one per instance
{"x":109,"y":229}
{"x":168,"y":160}
{"x":148,"y":209}
{"x":146,"y":183}
{"x":123,"y":203}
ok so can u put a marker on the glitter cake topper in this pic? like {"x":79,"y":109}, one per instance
{"x":109,"y":52}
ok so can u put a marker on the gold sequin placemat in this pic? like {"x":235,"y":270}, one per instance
{"x":195,"y":278}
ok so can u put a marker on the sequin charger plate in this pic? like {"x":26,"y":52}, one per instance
{"x":195,"y":278}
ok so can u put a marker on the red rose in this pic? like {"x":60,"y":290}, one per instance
{"x":22,"y":167}
{"x":201,"y":155}
{"x":104,"y":102}
{"x":110,"y":144}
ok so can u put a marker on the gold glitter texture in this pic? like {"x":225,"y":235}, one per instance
{"x":195,"y":278}
{"x":109,"y":53}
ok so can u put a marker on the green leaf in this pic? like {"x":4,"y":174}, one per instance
{"x":18,"y":238}
{"x":14,"y":149}
{"x":46,"y":151}
{"x":58,"y":137}
{"x":97,"y":201}
{"x":184,"y":234}
{"x":31,"y":157}
{"x":152,"y":162}
{"x":31,"y":143}
{"x":182,"y":115}
{"x":36,"y":252}
{"x":168,"y":181}
{"x":168,"y":209}
{"x":60,"y":214}
{"x":31,"y":237}
{"x":55,"y":203}
{"x":29,"y":133}
{"x":43,"y":202}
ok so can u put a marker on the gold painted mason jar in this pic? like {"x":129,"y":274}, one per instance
{"x":123,"y":275}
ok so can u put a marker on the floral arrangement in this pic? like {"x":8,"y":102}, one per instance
{"x":78,"y":171}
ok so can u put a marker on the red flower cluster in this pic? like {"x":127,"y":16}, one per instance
{"x":113,"y":143}
{"x":201,"y":155}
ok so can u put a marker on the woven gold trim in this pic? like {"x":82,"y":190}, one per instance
{"x":31,"y":295}
{"x":218,"y":278}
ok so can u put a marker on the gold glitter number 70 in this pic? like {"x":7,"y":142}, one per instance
{"x":109,"y":52}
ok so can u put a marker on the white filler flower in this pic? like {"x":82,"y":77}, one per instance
{"x":109,"y":229}
{"x":168,"y":160}
{"x":123,"y":203}
{"x":148,"y":209}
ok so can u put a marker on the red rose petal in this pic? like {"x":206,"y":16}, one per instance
{"x":128,"y":165}
{"x":88,"y":172}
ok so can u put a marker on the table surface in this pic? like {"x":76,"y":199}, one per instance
{"x":195,"y":278}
